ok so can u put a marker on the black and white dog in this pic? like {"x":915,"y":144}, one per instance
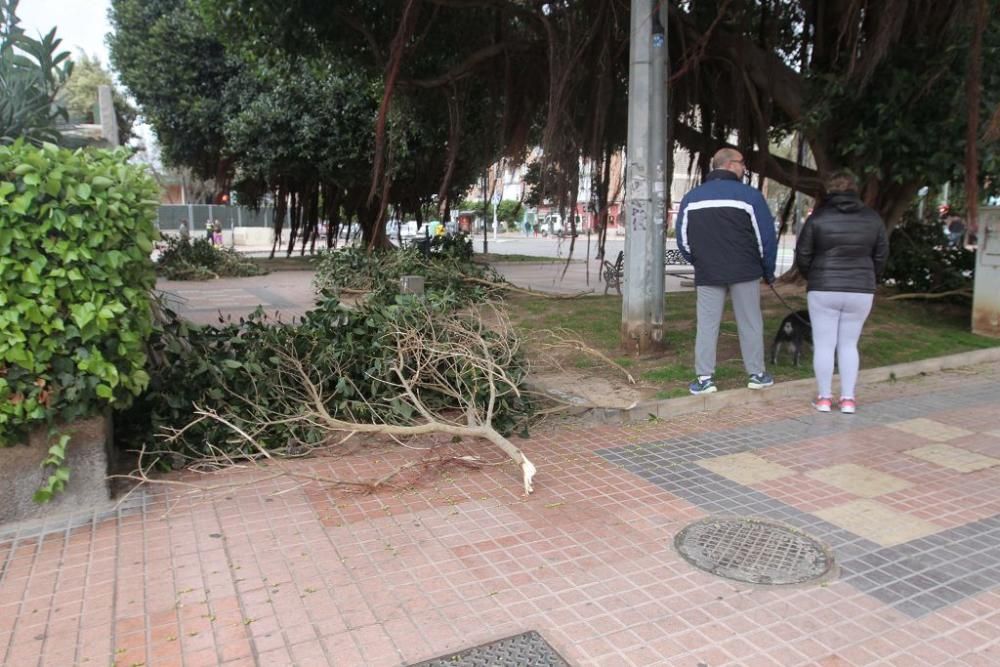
{"x":795,"y":331}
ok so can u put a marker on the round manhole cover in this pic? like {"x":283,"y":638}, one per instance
{"x":753,"y":551}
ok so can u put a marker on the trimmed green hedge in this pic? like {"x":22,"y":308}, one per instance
{"x":76,"y":233}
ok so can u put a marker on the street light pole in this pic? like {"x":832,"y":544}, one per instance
{"x":645,"y":215}
{"x":486,"y":240}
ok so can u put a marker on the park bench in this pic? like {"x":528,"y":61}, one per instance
{"x":673,"y":263}
{"x":613,"y":273}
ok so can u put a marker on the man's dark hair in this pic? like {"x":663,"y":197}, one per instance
{"x":842,"y":180}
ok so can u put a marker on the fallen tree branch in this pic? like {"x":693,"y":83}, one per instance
{"x":446,"y":354}
{"x":524,"y":290}
{"x":931,"y":295}
{"x":142,"y":477}
{"x":448,"y":373}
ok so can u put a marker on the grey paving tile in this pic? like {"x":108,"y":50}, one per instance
{"x":915,"y":608}
{"x":916,"y":578}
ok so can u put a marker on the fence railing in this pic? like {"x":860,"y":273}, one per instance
{"x":199,"y":216}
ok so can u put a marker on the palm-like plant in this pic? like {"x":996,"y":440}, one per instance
{"x":31,"y":73}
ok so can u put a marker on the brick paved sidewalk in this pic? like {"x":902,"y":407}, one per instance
{"x":906,"y":493}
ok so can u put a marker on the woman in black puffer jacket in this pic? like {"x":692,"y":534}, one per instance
{"x":841,"y":250}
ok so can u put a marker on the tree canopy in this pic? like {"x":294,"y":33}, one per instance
{"x":177,"y":73}
{"x":451,"y":85}
{"x":297,"y":127}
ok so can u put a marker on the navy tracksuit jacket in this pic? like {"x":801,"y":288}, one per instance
{"x":726,"y":230}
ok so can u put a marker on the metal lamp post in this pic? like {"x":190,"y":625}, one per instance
{"x":642,"y":304}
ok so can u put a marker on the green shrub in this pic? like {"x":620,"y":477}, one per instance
{"x":76,"y":233}
{"x":448,"y":272}
{"x":200,"y":260}
{"x":235,"y":370}
{"x":457,"y":246}
{"x":922,"y":260}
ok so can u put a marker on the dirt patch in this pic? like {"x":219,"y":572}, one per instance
{"x":581,"y":389}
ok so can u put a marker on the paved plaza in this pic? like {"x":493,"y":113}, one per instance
{"x":905,"y":494}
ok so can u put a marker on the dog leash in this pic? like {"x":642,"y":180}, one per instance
{"x":790,"y":309}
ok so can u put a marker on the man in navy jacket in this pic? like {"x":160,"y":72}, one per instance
{"x":726,"y":231}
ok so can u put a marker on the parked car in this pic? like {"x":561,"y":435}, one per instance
{"x":396,"y":230}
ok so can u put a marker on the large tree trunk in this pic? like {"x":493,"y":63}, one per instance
{"x":890,"y":200}
{"x":295,"y":208}
{"x":372,"y":231}
{"x":331,"y":202}
{"x":280,"y":207}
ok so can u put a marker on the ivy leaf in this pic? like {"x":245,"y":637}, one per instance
{"x":22,"y":203}
{"x":29,"y":275}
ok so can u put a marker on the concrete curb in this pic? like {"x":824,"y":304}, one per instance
{"x":87,"y":456}
{"x":675,"y":407}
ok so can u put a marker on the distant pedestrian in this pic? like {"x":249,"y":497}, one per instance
{"x":183,"y":232}
{"x":209,"y":229}
{"x":217,"y":234}
{"x":956,"y":230}
{"x":841,"y":250}
{"x":726,"y":231}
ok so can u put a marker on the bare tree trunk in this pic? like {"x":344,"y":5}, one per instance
{"x":973,"y":93}
{"x":331,"y":202}
{"x":296,"y":214}
{"x":280,"y":207}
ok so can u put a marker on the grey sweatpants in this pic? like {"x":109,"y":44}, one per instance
{"x":837,"y":319}
{"x":749,"y":323}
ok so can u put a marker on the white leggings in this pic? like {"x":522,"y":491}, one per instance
{"x":837,"y":319}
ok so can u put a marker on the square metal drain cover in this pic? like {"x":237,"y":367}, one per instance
{"x":527,"y":649}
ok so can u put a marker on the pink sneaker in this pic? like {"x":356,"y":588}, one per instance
{"x":823,"y":404}
{"x":848,"y":406}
